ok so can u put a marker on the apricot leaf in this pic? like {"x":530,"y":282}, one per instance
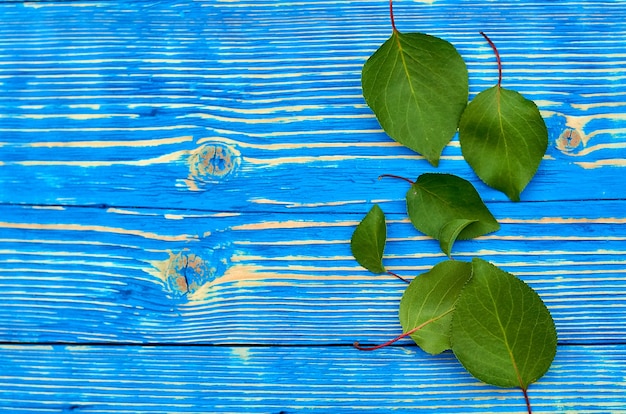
{"x":502,"y":332}
{"x":503,"y":138}
{"x":368,"y":240}
{"x":429,"y":301}
{"x":436,"y":203}
{"x":417,"y":86}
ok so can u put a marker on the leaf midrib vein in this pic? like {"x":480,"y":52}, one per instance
{"x":405,"y":67}
{"x":504,"y":336}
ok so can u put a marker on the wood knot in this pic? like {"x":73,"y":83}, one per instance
{"x":569,"y":140}
{"x":211,"y":163}
{"x":186,"y":273}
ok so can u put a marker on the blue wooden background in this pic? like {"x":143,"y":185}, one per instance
{"x":179,"y":181}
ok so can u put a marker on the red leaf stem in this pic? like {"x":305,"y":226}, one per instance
{"x":495,"y":50}
{"x":393,"y":23}
{"x":396,"y":177}
{"x":398,"y":276}
{"x":525,"y":391}
{"x":404,"y":335}
{"x":396,"y":339}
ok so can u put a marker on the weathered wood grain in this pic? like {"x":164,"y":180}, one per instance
{"x":140,"y":275}
{"x":256,"y":106}
{"x":82,"y":379}
{"x":189,"y":172}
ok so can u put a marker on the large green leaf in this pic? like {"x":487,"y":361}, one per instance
{"x":368,"y":240}
{"x":502,"y":332}
{"x":503,"y":138}
{"x":429,"y":302}
{"x":417,"y":86}
{"x":435,"y":203}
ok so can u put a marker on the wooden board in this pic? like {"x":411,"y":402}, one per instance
{"x":276,"y":380}
{"x":257,"y":106}
{"x":179,"y":181}
{"x":120,"y":275}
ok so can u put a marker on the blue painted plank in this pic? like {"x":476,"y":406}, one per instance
{"x":230,"y":106}
{"x":292,"y":380}
{"x":149,"y":276}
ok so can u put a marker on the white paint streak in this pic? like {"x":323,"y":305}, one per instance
{"x":292,"y":224}
{"x":586,"y":107}
{"x":39,"y":5}
{"x":76,"y":117}
{"x":96,"y":228}
{"x":59,"y":208}
{"x":273,"y":162}
{"x":289,"y":204}
{"x":164,"y":159}
{"x":565,"y":220}
{"x":129,"y":212}
{"x":599,"y":147}
{"x":619,"y":162}
{"x":275,"y":120}
{"x":95,"y":107}
{"x":304,"y":145}
{"x":107,"y":144}
{"x":120,"y":129}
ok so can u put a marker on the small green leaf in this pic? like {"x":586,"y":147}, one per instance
{"x":503,"y":138}
{"x":502,"y":332}
{"x":417,"y":86}
{"x":436,"y":201}
{"x":429,"y":301}
{"x":449,"y":233}
{"x":368,"y":240}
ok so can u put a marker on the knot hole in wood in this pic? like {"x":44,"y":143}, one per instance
{"x":188,"y":272}
{"x":212,"y":163}
{"x":569,"y":140}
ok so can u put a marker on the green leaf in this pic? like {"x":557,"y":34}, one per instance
{"x":368,"y":240}
{"x":436,"y":201}
{"x":503,"y":138}
{"x":417,"y":86}
{"x":502,"y":332}
{"x":449,"y":233}
{"x":429,"y":301}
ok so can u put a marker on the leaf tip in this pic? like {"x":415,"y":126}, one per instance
{"x":514,"y":195}
{"x":434,"y":161}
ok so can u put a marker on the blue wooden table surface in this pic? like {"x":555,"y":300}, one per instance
{"x":179,"y":181}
